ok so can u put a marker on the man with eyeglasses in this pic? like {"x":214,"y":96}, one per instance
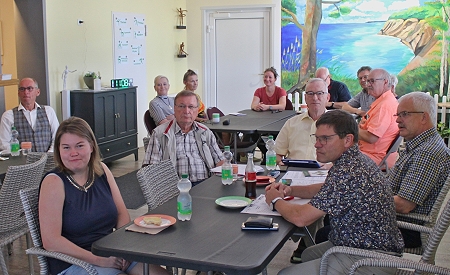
{"x":294,"y":140}
{"x":378,"y":128}
{"x":190,"y":145}
{"x":35,"y":123}
{"x":338,"y":91}
{"x":361,"y":102}
{"x":355,"y":195}
{"x":423,"y":167}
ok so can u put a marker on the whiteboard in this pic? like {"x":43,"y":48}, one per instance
{"x":129,"y":34}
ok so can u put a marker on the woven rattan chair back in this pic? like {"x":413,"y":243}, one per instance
{"x":17,"y":178}
{"x":30,"y":201}
{"x":13,"y":224}
{"x":158,"y":183}
{"x":35,"y":156}
{"x":430,"y":219}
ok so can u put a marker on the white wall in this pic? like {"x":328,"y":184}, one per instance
{"x":194,"y":30}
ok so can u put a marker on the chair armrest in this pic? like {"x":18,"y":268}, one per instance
{"x":63,"y":257}
{"x":399,"y":263}
{"x":415,"y":227}
{"x":419,"y":217}
{"x":350,"y":251}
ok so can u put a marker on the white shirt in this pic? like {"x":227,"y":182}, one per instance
{"x":8,"y":121}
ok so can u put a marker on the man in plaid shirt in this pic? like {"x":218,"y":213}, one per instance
{"x":422,"y":168}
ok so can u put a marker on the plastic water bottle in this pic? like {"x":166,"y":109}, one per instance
{"x":184,"y":200}
{"x":271,"y":156}
{"x":14,"y":142}
{"x":227,"y":169}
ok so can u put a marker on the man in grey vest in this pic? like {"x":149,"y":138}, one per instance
{"x":190,"y":145}
{"x":35,"y":123}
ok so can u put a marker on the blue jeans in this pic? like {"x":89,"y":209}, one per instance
{"x":76,"y":270}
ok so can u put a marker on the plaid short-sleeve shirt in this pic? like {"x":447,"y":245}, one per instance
{"x":421,"y":171}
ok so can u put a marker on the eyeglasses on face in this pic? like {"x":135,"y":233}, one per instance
{"x":406,"y":113}
{"x":29,"y":88}
{"x":321,"y":139}
{"x":184,"y":107}
{"x":371,"y":81}
{"x":319,"y":93}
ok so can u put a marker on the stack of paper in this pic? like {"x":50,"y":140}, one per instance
{"x":5,"y":76}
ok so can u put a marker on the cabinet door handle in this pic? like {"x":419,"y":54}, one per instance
{"x":129,"y":143}
{"x":118,"y":115}
{"x":107,"y":150}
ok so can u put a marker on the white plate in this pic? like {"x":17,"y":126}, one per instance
{"x":165,"y":221}
{"x":233,"y":202}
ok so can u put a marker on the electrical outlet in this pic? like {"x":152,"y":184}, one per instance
{"x":80,"y":22}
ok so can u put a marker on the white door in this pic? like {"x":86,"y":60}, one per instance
{"x":238,"y":49}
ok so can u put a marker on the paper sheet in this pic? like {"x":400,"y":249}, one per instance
{"x":299,"y":178}
{"x":260,"y":207}
{"x":237,"y":114}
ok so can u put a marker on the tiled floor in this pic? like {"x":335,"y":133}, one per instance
{"x":18,"y":262}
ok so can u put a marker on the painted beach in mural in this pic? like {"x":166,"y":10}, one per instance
{"x":398,"y":36}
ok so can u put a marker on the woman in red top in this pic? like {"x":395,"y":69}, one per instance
{"x":270,"y":97}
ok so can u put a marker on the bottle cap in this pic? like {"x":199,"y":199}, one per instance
{"x":270,"y":137}
{"x":184,"y":176}
{"x":227,"y":148}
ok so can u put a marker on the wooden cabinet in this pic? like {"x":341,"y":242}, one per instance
{"x":112,"y":115}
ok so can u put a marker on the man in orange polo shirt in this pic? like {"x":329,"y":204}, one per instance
{"x":378,"y":128}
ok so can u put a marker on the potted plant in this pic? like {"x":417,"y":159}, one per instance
{"x":89,"y":79}
{"x":444,"y":131}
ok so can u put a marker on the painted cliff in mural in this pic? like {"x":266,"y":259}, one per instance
{"x":403,"y":37}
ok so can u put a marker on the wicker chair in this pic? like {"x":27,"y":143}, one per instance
{"x":30,"y":200}
{"x":384,"y":260}
{"x":429,"y":220}
{"x":158,"y":183}
{"x":49,"y":165}
{"x":392,"y":149}
{"x":13,"y":224}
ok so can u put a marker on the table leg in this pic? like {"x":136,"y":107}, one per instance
{"x":146,"y":271}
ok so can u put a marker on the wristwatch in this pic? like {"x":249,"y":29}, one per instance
{"x":332,"y":104}
{"x":275,"y":201}
{"x":270,"y":108}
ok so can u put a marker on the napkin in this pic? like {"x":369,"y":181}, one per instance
{"x":152,"y":231}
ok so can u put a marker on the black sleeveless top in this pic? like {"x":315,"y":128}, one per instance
{"x":87,"y":216}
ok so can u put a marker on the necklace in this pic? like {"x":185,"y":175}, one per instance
{"x":86,"y":186}
{"x":168,"y":105}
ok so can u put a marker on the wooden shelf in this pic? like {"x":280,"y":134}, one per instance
{"x":9,"y":82}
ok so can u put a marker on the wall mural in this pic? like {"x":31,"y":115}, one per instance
{"x":401,"y":36}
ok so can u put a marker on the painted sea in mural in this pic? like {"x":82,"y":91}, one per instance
{"x":347,"y":47}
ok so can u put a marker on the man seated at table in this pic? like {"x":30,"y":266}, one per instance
{"x":355,"y":194}
{"x":161,"y":107}
{"x":35,"y":123}
{"x":190,"y":145}
{"x":360,"y":103}
{"x":294,"y":140}
{"x":378,"y":128}
{"x":338,"y":91}
{"x":423,"y":167}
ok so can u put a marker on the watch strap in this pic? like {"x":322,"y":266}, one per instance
{"x":332,"y":104}
{"x":274,"y":201}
